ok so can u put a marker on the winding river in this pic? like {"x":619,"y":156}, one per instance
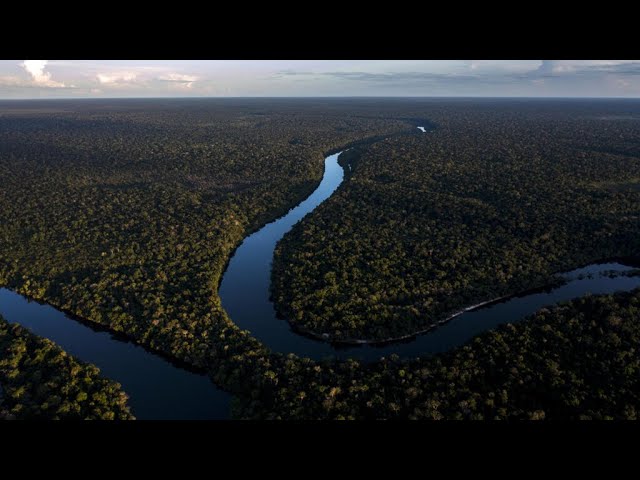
{"x":245,"y":295}
{"x":160,"y":389}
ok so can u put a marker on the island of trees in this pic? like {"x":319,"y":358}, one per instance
{"x":38,"y":380}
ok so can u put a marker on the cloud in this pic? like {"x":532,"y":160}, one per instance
{"x":141,"y":77}
{"x":503,"y":66}
{"x":420,"y":78}
{"x":11,"y":81}
{"x":290,"y":73}
{"x":36,"y":68}
{"x":179,"y":79}
{"x":565,"y":67}
{"x":117,"y":78}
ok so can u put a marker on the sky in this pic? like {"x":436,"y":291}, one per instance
{"x":313,"y":78}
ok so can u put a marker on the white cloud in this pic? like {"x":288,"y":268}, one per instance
{"x":143,"y":78}
{"x":179,"y":79}
{"x":36,"y":68}
{"x":117,"y":78}
{"x":573,"y":66}
{"x":504,"y":66}
{"x":10,"y":81}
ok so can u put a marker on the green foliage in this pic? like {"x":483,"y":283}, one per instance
{"x":38,"y":380}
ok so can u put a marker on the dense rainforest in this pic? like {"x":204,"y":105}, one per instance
{"x":495,"y":200}
{"x":125,"y":212}
{"x":38,"y":380}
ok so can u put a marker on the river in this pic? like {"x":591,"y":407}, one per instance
{"x":158,"y":389}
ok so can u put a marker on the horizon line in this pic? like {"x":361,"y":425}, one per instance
{"x":556,"y":97}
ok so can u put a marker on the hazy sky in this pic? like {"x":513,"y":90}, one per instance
{"x":175,"y":78}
